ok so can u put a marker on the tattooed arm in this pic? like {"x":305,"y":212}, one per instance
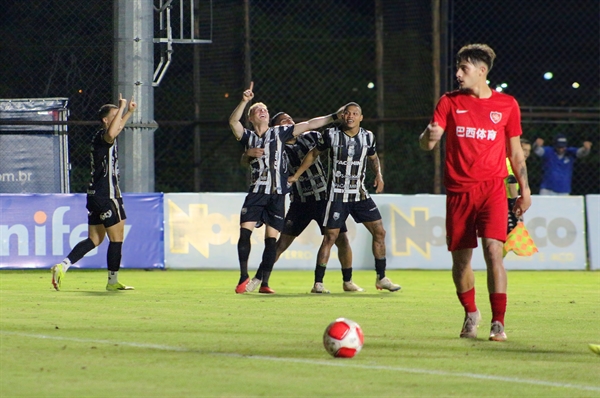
{"x":376,"y":167}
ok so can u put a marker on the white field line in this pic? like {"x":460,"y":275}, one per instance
{"x":340,"y":363}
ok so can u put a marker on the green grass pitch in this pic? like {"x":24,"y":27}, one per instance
{"x":187,"y":334}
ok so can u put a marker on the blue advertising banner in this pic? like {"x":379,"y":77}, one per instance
{"x":38,"y":231}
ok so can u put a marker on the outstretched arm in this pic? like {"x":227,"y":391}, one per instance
{"x":517,"y":162}
{"x":117,"y":124}
{"x":317,"y":122}
{"x":376,"y":167}
{"x":430,"y":136}
{"x":236,"y":115}
{"x":308,"y":160}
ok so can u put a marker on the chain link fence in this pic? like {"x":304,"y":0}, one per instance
{"x":307,"y":59}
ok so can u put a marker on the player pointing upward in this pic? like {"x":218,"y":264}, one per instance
{"x":106,"y":214}
{"x":265,"y":202}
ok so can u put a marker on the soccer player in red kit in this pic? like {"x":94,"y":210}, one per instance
{"x":483,"y":128}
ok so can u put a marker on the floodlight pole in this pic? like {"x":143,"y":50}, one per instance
{"x":133,"y":67}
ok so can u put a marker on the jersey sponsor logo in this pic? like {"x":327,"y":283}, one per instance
{"x":472,"y":132}
{"x":462,"y":110}
{"x":345,"y":163}
{"x":496,"y":117}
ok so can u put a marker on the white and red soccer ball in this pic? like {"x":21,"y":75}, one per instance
{"x":343,"y":338}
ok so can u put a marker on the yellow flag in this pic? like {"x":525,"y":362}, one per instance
{"x":519,"y":241}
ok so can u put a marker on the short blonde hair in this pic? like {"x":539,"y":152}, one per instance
{"x":254,"y":106}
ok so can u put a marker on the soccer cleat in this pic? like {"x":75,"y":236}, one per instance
{"x":469,"y":329}
{"x":266,"y":290}
{"x":595,"y":348}
{"x":241,"y":288}
{"x":352,"y":287}
{"x":386,"y":283}
{"x":319,"y":288}
{"x":252,"y":285}
{"x":497,"y":332}
{"x":57,"y":275}
{"x":117,"y":286}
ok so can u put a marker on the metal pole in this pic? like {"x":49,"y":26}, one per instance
{"x":133,"y":68}
{"x":437,"y":169}
{"x":379,"y":81}
{"x":197,"y":91}
{"x":247,"y":58}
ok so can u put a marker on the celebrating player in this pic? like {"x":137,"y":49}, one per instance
{"x":308,"y":200}
{"x":483,"y":127}
{"x":265,"y":202}
{"x":350,"y":146}
{"x":106,"y":214}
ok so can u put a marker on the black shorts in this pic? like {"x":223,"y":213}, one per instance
{"x":105,"y":211}
{"x":264,"y":209}
{"x":336,"y":213}
{"x":300,"y":214}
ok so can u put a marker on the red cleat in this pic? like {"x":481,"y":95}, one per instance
{"x":241,"y":288}
{"x":266,"y":290}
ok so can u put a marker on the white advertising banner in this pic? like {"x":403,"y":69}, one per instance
{"x":202,"y":230}
{"x":592,"y":209}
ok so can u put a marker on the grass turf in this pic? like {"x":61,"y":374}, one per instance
{"x":186,"y":334}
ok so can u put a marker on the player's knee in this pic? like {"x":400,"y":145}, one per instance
{"x":342,"y":241}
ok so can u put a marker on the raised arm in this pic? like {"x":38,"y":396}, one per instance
{"x":238,"y":112}
{"x":517,"y":162}
{"x":118,"y":122}
{"x":584,"y":150}
{"x":430,"y":136}
{"x":317,"y":122}
{"x":376,"y":167}
{"x":308,"y":160}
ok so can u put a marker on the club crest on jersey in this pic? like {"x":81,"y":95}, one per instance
{"x":496,"y":117}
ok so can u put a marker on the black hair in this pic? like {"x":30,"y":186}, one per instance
{"x":352,"y":104}
{"x":275,"y":117}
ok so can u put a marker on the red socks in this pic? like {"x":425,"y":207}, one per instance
{"x":498,"y":302}
{"x":467,"y":299}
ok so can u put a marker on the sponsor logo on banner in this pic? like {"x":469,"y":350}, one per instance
{"x":417,"y":230}
{"x":38,"y":230}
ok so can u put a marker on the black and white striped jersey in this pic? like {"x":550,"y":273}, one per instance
{"x":269,"y":173}
{"x":104,"y":161}
{"x":348,"y":161}
{"x":312,"y":184}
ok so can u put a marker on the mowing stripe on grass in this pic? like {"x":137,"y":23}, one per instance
{"x":338,"y":363}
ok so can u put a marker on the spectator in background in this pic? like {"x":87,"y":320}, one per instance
{"x":558,"y":164}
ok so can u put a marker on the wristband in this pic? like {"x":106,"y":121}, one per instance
{"x":334,"y":116}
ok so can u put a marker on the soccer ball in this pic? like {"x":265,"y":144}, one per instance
{"x":343,"y":338}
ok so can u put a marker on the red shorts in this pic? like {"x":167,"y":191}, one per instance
{"x":479,"y":212}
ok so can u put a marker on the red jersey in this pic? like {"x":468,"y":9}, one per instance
{"x":477,"y":134}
